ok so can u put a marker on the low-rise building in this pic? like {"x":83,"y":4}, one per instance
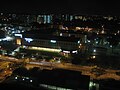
{"x":46,"y":41}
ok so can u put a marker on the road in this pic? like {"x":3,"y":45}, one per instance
{"x":86,"y":70}
{"x":4,"y":70}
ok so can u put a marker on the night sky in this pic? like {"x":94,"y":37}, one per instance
{"x":105,"y":7}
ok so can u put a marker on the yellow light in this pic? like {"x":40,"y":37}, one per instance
{"x":78,"y":28}
{"x":102,"y":31}
{"x":94,"y":57}
{"x":45,"y":49}
{"x":18,"y":41}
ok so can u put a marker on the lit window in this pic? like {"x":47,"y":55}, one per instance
{"x":18,"y":41}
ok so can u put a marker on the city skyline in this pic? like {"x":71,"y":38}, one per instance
{"x":53,"y":44}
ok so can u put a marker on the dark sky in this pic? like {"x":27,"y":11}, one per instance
{"x":105,"y":7}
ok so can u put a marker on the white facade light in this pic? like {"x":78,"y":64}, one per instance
{"x":7,"y":38}
{"x":53,"y":41}
{"x":78,"y":41}
{"x":16,"y":77}
{"x":31,"y":80}
{"x":19,"y":35}
{"x":94,"y":50}
{"x":29,"y":39}
{"x":88,"y":40}
{"x":111,"y":46}
{"x":74,"y":51}
{"x":66,"y":51}
{"x":60,"y":34}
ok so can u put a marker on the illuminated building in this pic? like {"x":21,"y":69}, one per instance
{"x":62,"y":17}
{"x":44,"y":19}
{"x":35,"y":40}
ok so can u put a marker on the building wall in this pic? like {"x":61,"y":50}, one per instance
{"x":49,"y":44}
{"x":44,"y":19}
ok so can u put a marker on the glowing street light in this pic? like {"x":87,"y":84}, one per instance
{"x":94,"y":50}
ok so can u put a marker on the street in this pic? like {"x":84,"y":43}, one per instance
{"x":86,"y":70}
